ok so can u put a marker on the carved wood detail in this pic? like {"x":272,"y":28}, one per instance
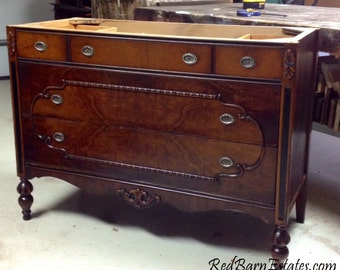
{"x":11,"y":42}
{"x":25,"y":200}
{"x":236,"y":170}
{"x":279,"y":249}
{"x":139,"y":198}
{"x":289,"y":64}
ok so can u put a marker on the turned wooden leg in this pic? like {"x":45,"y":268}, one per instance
{"x":25,"y":199}
{"x":301,"y":204}
{"x":279,"y":249}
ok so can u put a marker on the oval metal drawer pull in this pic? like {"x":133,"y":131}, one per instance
{"x":87,"y":50}
{"x":227,"y":119}
{"x":248,"y":62}
{"x":59,"y":137}
{"x":226,"y":162}
{"x":57,"y":99}
{"x":40,"y":46}
{"x":189,"y":58}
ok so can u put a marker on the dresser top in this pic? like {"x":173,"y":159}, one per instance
{"x":171,"y":30}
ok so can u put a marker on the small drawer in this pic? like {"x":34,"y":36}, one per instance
{"x":41,"y":46}
{"x":170,"y":56}
{"x":246,"y":61}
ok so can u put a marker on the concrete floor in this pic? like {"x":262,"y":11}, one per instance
{"x":74,"y":230}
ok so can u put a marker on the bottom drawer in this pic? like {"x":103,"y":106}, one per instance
{"x":235,"y":169}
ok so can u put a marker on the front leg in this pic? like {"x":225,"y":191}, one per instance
{"x":25,"y":199}
{"x":279,"y":249}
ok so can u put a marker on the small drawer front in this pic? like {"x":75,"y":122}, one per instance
{"x":252,"y":62}
{"x":183,"y":57}
{"x":41,"y":46}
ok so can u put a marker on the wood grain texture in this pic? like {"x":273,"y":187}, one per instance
{"x":230,"y":133}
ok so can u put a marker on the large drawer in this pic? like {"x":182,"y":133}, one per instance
{"x":160,"y":55}
{"x":218,"y":109}
{"x":249,"y":61}
{"x":205,"y":165}
{"x":39,"y":45}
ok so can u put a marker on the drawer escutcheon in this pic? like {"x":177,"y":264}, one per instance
{"x":40,"y":46}
{"x":227,"y":119}
{"x":57,"y":99}
{"x":226,"y":162}
{"x":59,"y":137}
{"x":189,"y":58}
{"x":87,"y":50}
{"x":248,"y":62}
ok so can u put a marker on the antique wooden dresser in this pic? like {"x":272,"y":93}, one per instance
{"x":202,"y":117}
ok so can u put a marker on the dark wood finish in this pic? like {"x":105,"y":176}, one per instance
{"x":25,"y":200}
{"x":279,"y":250}
{"x":301,"y":204}
{"x":119,"y":112}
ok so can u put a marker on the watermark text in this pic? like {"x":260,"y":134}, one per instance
{"x":241,"y":264}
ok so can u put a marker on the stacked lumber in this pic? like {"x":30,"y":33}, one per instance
{"x":327,"y":95}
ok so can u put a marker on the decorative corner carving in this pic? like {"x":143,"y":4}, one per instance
{"x":289,"y":64}
{"x":11,"y":42}
{"x":138,"y":198}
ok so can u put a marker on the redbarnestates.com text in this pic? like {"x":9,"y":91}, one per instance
{"x":238,"y":263}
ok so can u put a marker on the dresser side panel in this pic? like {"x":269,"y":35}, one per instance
{"x":303,"y":109}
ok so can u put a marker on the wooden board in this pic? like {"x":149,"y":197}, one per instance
{"x":123,"y":9}
{"x":326,"y":3}
{"x":325,"y":18}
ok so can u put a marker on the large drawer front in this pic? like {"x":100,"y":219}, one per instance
{"x":250,"y":168}
{"x":183,"y":57}
{"x":216,"y":109}
{"x":161,"y":112}
{"x":249,"y":61}
{"x":41,"y":46}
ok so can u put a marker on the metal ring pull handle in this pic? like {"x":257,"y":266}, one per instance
{"x":227,"y":119}
{"x":40,"y":46}
{"x":189,"y":58}
{"x":57,"y":99}
{"x":248,"y":62}
{"x":226,"y":162}
{"x":59,"y":137}
{"x":87,"y":50}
